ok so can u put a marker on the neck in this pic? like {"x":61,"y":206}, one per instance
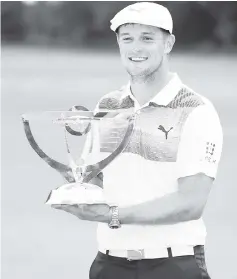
{"x":145,"y":87}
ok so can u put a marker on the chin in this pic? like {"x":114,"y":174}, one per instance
{"x":139,"y":73}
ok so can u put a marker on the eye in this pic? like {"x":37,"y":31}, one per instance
{"x":126,"y":39}
{"x":147,"y":38}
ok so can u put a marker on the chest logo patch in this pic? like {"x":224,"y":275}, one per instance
{"x":164,"y":131}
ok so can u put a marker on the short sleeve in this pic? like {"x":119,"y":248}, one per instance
{"x":200,"y":144}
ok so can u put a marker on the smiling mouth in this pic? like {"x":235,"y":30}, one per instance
{"x":137,"y":59}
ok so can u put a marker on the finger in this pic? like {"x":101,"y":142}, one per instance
{"x":56,"y":206}
{"x":65,"y":207}
{"x":82,"y":207}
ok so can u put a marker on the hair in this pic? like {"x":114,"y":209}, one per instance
{"x":164,"y":31}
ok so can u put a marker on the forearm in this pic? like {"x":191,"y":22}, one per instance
{"x":184,"y":205}
{"x":170,"y":209}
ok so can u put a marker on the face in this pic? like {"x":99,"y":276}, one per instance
{"x":142,"y":48}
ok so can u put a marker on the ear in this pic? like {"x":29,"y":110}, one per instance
{"x":117,"y":37}
{"x":170,"y":40}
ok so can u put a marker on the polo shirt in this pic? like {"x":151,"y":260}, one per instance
{"x":176,"y":134}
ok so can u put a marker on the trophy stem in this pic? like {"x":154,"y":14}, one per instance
{"x":78,"y":171}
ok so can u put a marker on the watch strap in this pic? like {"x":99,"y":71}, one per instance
{"x":114,"y":223}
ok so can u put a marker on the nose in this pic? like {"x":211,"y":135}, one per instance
{"x":137,"y":46}
{"x":136,"y":50}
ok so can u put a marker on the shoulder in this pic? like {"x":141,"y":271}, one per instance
{"x":205,"y":106}
{"x":200,"y":111}
{"x":116,"y":99}
{"x":113,"y":95}
{"x":188,"y":98}
{"x":193,"y":103}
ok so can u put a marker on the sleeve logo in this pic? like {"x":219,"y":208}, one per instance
{"x":210,"y":149}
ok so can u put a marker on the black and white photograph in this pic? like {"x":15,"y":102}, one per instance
{"x":118,"y":139}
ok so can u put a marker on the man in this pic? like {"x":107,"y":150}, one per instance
{"x":162,"y":179}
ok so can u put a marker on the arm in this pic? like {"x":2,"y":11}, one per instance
{"x":184,"y":205}
{"x":197,"y":161}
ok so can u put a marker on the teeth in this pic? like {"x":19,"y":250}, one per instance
{"x":138,"y":58}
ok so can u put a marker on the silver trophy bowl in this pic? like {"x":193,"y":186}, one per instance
{"x":106,"y":134}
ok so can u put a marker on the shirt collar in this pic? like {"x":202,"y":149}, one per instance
{"x":166,"y":95}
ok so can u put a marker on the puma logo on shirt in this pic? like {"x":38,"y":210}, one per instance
{"x":163,"y":130}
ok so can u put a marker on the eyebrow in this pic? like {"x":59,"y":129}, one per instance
{"x":143,"y":33}
{"x":148,"y":33}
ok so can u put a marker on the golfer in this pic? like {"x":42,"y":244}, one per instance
{"x":163,"y":177}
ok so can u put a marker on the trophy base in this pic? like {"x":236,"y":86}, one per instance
{"x":76,"y":193}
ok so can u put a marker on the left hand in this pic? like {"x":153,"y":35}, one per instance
{"x":89,"y":212}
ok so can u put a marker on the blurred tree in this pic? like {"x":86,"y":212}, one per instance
{"x":77,"y":20}
{"x":225,"y":14}
{"x":192,"y":23}
{"x":12,"y":21}
{"x":87,"y":23}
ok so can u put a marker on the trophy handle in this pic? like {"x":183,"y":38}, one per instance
{"x":98,"y":167}
{"x":64,"y":170}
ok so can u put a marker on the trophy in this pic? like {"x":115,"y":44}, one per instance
{"x":106,"y":134}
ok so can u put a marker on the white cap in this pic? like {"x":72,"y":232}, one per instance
{"x":146,"y":13}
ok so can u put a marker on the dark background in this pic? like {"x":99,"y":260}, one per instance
{"x":72,"y":23}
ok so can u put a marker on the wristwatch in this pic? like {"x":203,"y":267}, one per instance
{"x":114,"y":223}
